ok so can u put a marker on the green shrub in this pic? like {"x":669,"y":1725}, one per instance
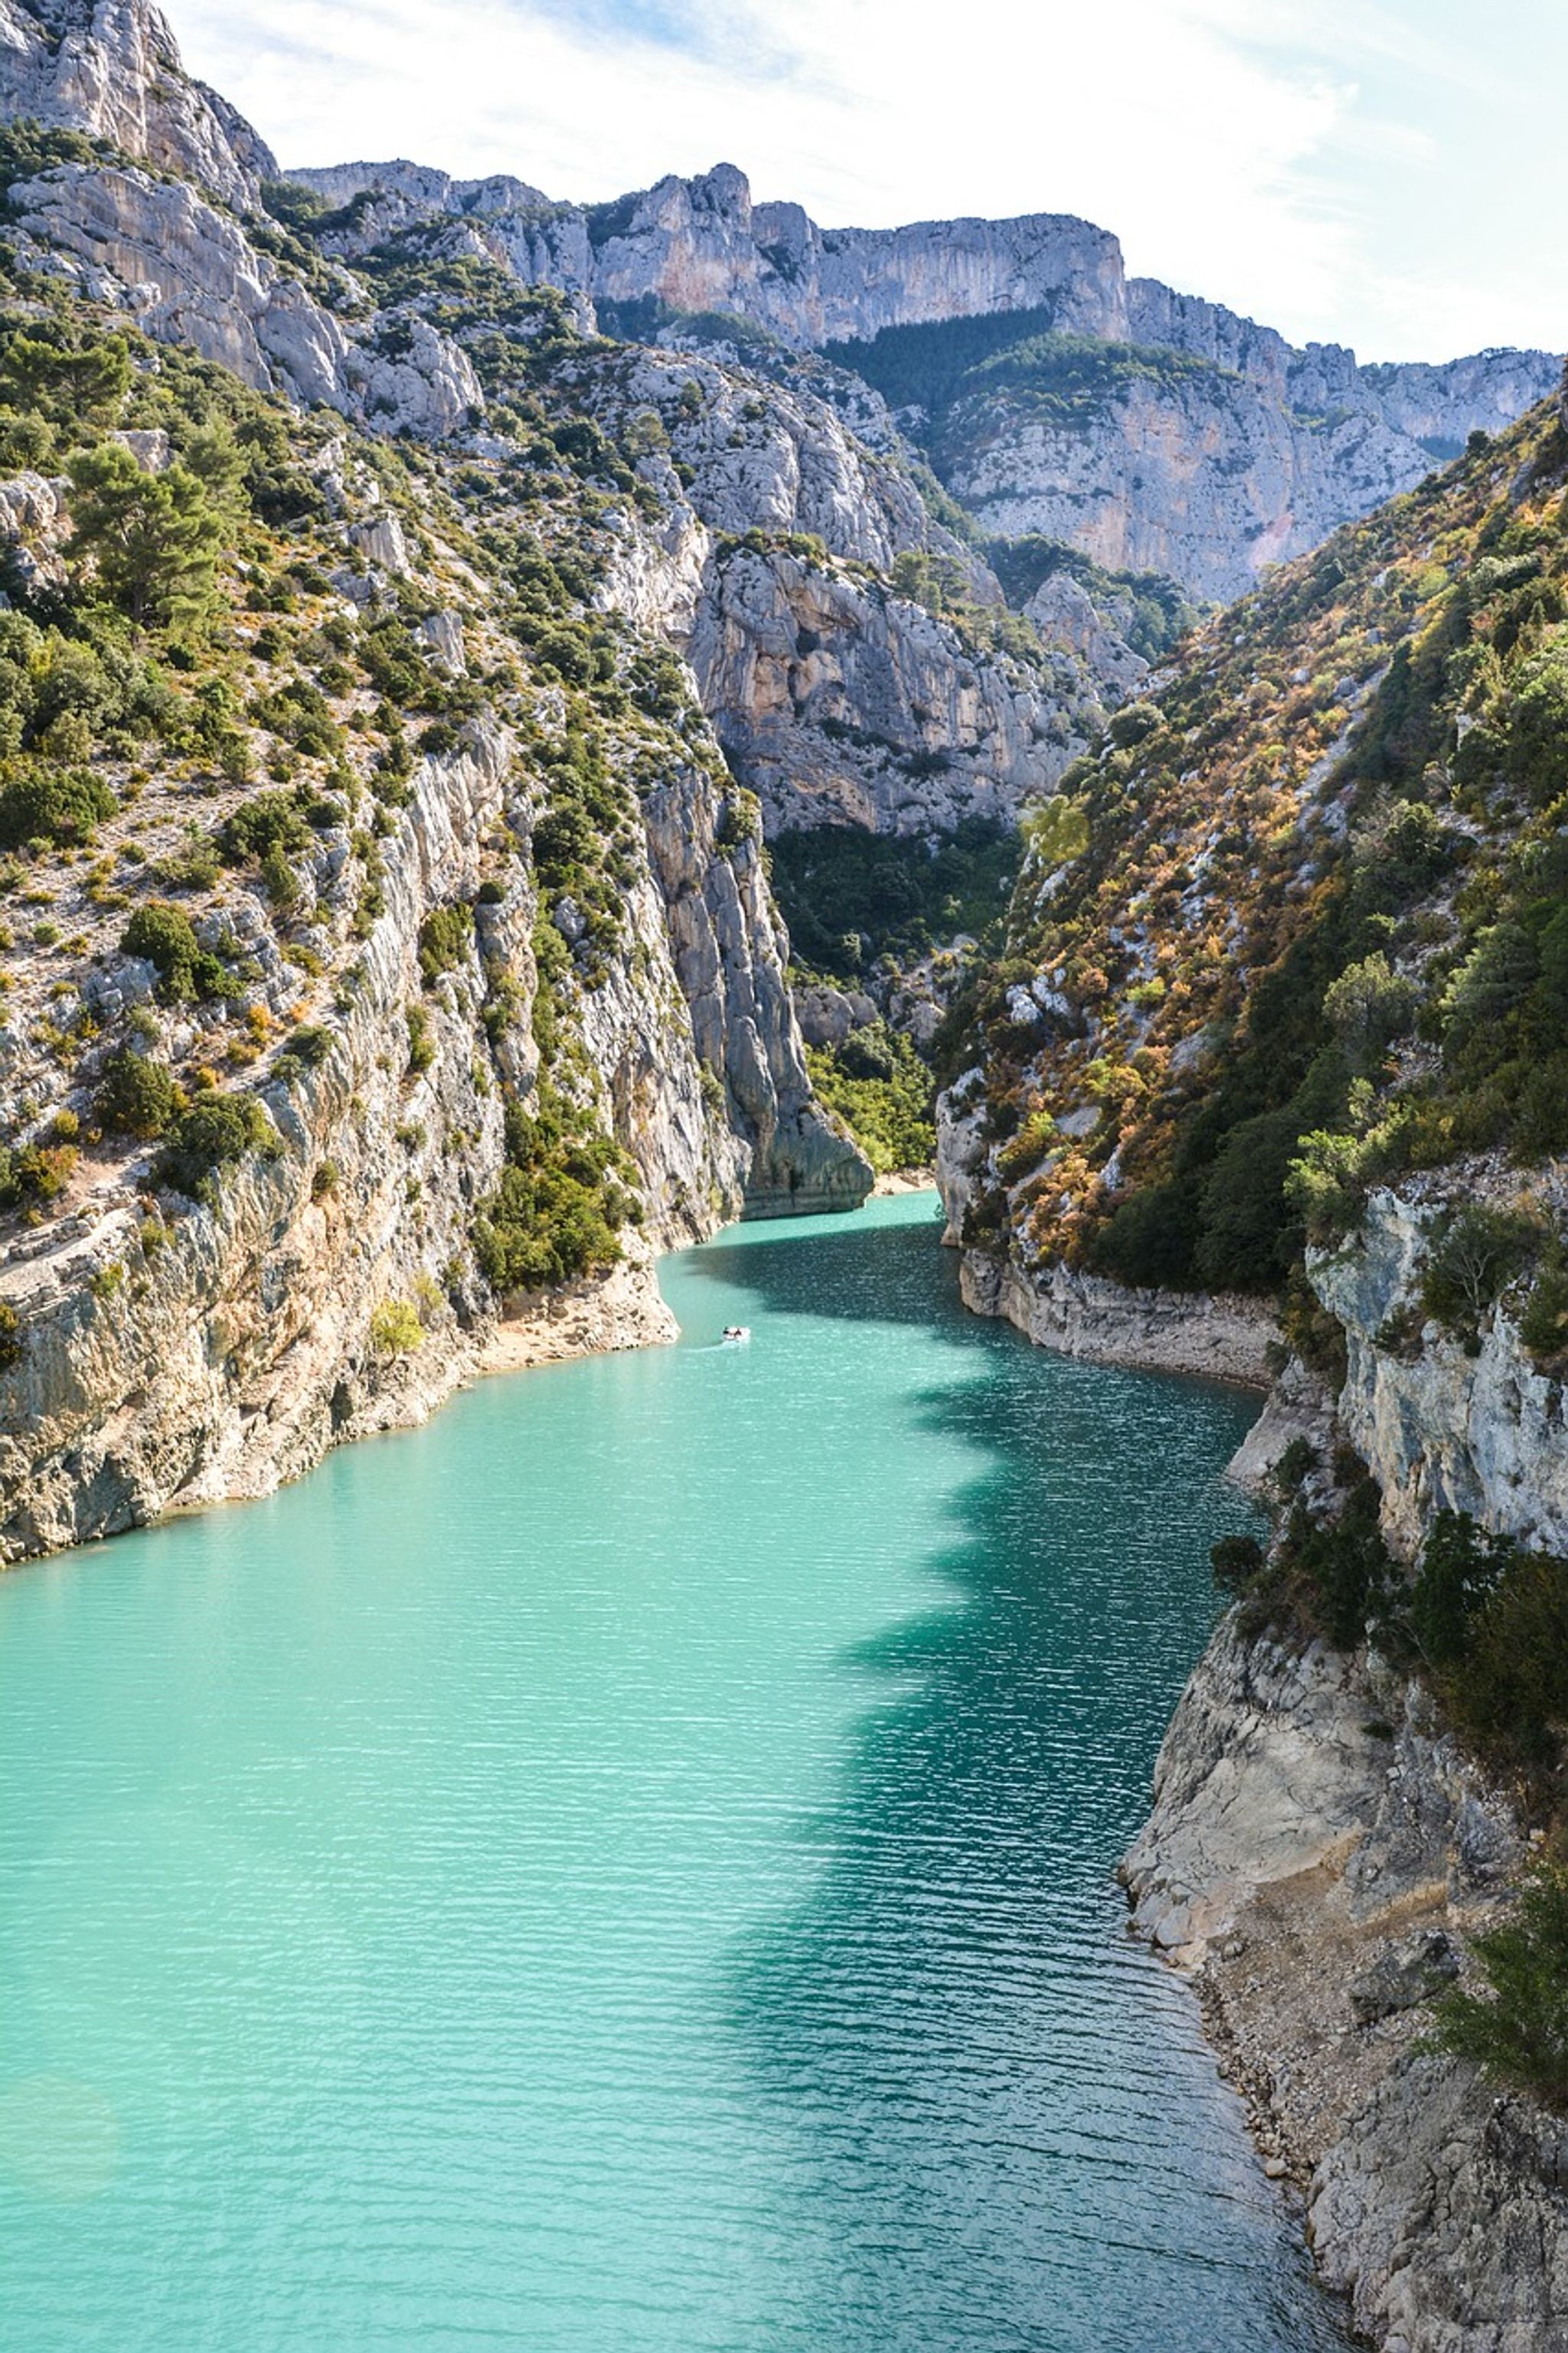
{"x":271,"y":821}
{"x":562,"y":1201}
{"x":421,"y":1044}
{"x":1055,"y":831}
{"x":1477,"y":1253}
{"x":35,"y":1174}
{"x":445,"y":940}
{"x":1235,"y":1561}
{"x":309,"y":1045}
{"x":193,"y":867}
{"x":1132,"y":723}
{"x":162,"y":934}
{"x":1495,"y":977}
{"x":10,"y":1336}
{"x":878,"y":1085}
{"x":1517,"y":2031}
{"x":1509,"y":1690}
{"x":396,"y":1329}
{"x":1543,"y":1326}
{"x":154,"y":539}
{"x":137,"y":1096}
{"x":280,"y":880}
{"x":58,"y":805}
{"x":1340,"y":1568}
{"x":213,"y":1135}
{"x":1368,"y":1007}
{"x":1148,"y":1242}
{"x":1461,"y":1564}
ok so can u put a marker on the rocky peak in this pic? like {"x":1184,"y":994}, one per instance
{"x":112,"y":68}
{"x":422,"y":187}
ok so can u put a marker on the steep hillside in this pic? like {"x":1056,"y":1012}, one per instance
{"x":1271,"y":1080}
{"x":1308,"y":890}
{"x":389,"y":962}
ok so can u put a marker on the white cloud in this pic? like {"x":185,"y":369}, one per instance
{"x":1274,"y":155}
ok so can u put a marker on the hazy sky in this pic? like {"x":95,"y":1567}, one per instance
{"x":1391,"y":173}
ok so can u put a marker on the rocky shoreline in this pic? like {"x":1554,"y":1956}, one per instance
{"x":1321,"y":1851}
{"x":1318,"y":1855}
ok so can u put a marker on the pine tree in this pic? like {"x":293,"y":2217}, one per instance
{"x":154,"y":539}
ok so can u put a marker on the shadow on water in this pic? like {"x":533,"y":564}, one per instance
{"x":954,"y":2028}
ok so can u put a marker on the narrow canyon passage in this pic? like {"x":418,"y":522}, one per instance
{"x":627,"y":1866}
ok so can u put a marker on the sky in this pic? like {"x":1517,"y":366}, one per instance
{"x":1389,"y":173}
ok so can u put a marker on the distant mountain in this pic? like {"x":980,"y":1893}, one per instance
{"x":1183,"y":440}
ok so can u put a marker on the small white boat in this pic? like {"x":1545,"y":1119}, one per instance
{"x":735,"y":1335}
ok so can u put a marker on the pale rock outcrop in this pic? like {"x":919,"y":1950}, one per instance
{"x":702,"y":245}
{"x":835,"y":702}
{"x":765,"y":455}
{"x":112,"y":68}
{"x":838,"y":704}
{"x":828,"y":1016}
{"x":188,"y":273}
{"x":1066,"y":617}
{"x":1205,"y":476}
{"x":728,"y":954}
{"x":1253,"y":455}
{"x":1438,"y":1428}
{"x":1318,"y":1853}
{"x":35,"y":525}
{"x":1210,"y":1336}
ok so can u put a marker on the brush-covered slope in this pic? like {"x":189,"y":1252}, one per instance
{"x":388,"y":951}
{"x":1287,"y":963}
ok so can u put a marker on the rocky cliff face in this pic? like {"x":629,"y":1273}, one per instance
{"x":702,"y":245}
{"x":841,"y":705}
{"x":178,"y":1360}
{"x":1318,"y":1853}
{"x":1205,"y":475}
{"x":1252,"y":453}
{"x":838,"y":700}
{"x":1444,"y":1427}
{"x":186,"y":272}
{"x":112,"y":67}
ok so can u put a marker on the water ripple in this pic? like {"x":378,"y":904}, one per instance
{"x":625,"y":1870}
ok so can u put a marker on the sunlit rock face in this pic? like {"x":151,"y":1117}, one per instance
{"x":112,"y":68}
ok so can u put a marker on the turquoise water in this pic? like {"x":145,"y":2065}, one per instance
{"x":626,"y":1868}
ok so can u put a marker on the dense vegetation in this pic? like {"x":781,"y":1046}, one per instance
{"x":881,"y":1088}
{"x":851,"y":897}
{"x":1317,"y":933}
{"x":863,"y":909}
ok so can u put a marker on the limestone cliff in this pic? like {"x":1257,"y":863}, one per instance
{"x":1446,"y":1421}
{"x":185,"y":271}
{"x":1206,"y":448}
{"x":838,"y":700}
{"x":345,"y":1066}
{"x":112,"y":67}
{"x":1318,"y":1853}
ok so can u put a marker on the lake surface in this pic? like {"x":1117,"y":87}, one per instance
{"x":626,"y":1869}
